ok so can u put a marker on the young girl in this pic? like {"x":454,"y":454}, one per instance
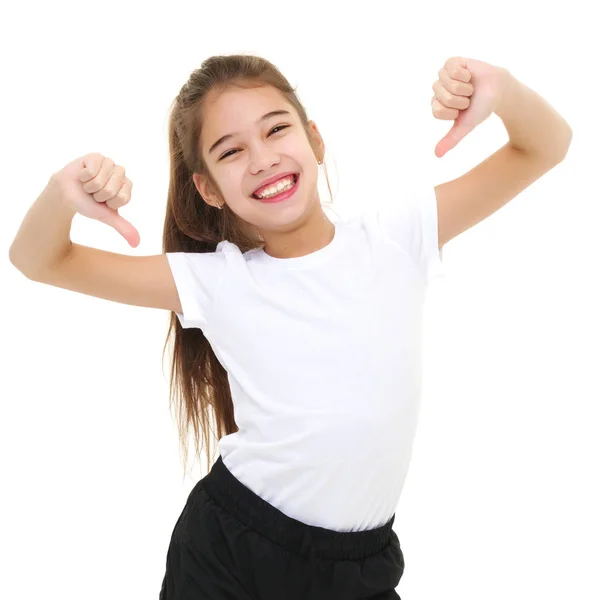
{"x":298,"y":336}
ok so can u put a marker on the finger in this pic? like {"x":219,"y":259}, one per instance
{"x":443,"y":112}
{"x":122,"y":197}
{"x":461,"y":74}
{"x":458,"y":88}
{"x":112,"y":186}
{"x":457,"y":68}
{"x":124,"y":227}
{"x":448,"y":99}
{"x":454,"y":136}
{"x":99,"y":181}
{"x":447,"y":143}
{"x":90,"y":165}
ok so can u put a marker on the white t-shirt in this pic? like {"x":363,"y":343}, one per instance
{"x":323,"y":355}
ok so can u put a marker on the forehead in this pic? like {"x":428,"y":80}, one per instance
{"x":237,"y":109}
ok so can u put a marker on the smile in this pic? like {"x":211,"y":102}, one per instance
{"x":283,"y":195}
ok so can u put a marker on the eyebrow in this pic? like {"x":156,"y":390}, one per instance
{"x":273,"y":113}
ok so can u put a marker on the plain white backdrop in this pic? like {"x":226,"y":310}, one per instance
{"x":502,"y":496}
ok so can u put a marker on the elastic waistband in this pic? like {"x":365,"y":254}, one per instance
{"x":301,"y":538}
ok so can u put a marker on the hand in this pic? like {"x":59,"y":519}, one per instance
{"x":467,"y":91}
{"x":95,"y":187}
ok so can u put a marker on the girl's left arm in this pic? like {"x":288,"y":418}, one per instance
{"x":468,"y":91}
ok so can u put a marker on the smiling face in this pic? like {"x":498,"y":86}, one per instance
{"x":258,"y":149}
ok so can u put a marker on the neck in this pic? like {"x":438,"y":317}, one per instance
{"x":315,"y":233}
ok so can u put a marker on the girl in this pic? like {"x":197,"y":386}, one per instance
{"x":298,"y":336}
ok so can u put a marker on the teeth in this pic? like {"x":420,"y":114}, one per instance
{"x":275,"y":189}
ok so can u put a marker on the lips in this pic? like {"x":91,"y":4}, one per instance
{"x":271,"y":180}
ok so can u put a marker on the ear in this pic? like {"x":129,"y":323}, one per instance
{"x":316,"y":141}
{"x":205,"y":189}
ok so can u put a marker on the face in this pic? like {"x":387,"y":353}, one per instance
{"x":259,"y":149}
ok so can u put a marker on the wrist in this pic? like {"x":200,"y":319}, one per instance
{"x":54,"y":196}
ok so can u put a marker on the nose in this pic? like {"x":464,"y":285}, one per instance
{"x":262,"y":158}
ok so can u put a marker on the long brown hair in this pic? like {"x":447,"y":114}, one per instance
{"x":198,"y":383}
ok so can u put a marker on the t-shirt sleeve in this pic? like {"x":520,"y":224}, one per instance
{"x":197,"y":277}
{"x":412,"y":224}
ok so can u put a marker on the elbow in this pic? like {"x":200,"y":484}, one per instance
{"x":20,"y":265}
{"x":567,"y":143}
{"x":14,"y":261}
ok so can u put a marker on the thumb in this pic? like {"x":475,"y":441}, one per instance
{"x":459,"y":130}
{"x":124,"y":227}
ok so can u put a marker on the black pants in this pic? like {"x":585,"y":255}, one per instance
{"x":230,"y":544}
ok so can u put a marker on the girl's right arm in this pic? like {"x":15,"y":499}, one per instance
{"x":43,"y":251}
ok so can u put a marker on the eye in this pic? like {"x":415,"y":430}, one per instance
{"x":280,"y":127}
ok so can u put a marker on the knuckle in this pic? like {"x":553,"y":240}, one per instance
{"x":115,"y":186}
{"x":93,"y":158}
{"x":123,"y":193}
{"x":114,"y":203}
{"x":121,"y":199}
{"x":90,"y":187}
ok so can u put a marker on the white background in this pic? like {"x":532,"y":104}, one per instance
{"x":502,"y":497}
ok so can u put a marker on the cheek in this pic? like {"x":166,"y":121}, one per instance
{"x":232,"y":182}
